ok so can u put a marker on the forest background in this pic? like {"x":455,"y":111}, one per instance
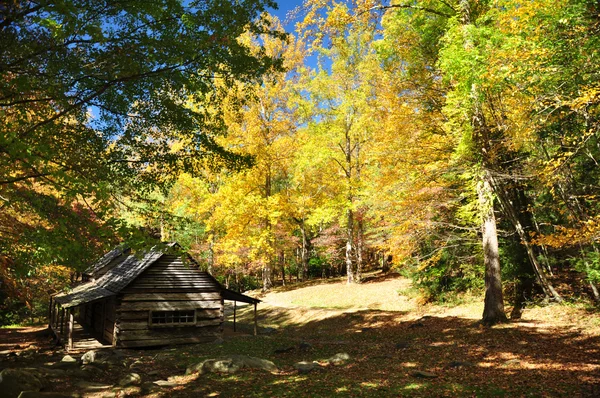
{"x":454,"y":141}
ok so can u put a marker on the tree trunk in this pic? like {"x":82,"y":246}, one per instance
{"x":282,"y":264}
{"x":266,"y":277}
{"x":211,"y":253}
{"x":304,"y":253}
{"x":493,"y":310}
{"x":349,"y":236}
{"x":359,"y":250}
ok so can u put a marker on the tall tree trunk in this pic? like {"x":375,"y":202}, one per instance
{"x":304,"y":253}
{"x":359,"y":249}
{"x":349,"y":242}
{"x":266,"y":269}
{"x":282,"y":265}
{"x":493,"y":311}
{"x":211,"y":253}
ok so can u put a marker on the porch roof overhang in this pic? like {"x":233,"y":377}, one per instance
{"x":235,"y":296}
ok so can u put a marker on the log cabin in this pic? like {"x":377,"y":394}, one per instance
{"x":158,"y":298}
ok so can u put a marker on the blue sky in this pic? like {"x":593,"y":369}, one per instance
{"x":286,"y":6}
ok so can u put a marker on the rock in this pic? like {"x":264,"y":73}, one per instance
{"x":136,"y":365}
{"x":402,"y":345}
{"x":460,"y":364}
{"x":284,"y":350}
{"x":423,"y":375}
{"x":13,"y":381}
{"x":165,"y":383}
{"x":153,"y":373}
{"x":39,"y":394}
{"x":102,"y":357}
{"x":131,"y":379}
{"x":416,"y":325}
{"x":231,"y":364}
{"x":339,"y":359}
{"x":511,"y":362}
{"x":306,"y":367}
{"x":68,"y":359}
{"x":304,"y":346}
{"x":88,"y":386}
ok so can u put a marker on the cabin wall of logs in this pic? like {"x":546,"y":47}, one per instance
{"x":170,"y":302}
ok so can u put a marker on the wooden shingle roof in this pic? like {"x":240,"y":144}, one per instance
{"x":111,"y":283}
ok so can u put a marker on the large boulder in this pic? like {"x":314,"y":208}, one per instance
{"x":14,"y":381}
{"x":231,"y":364}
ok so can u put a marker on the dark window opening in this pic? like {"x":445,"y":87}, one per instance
{"x":173,"y":317}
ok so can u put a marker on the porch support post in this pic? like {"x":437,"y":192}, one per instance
{"x":234,"y":309}
{"x":222,"y":313}
{"x":70,"y":327}
{"x":62,"y":321}
{"x":255,"y":323}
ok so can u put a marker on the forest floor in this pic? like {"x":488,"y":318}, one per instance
{"x":396,"y":348}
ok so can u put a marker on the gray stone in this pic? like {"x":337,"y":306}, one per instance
{"x":39,"y":394}
{"x":339,"y":359}
{"x":13,"y":381}
{"x":68,"y":359}
{"x":511,"y":362}
{"x":166,"y":383}
{"x":152,"y":373}
{"x":131,"y":379}
{"x":102,"y":357}
{"x":460,"y":364}
{"x":423,"y":375}
{"x":305,"y":367}
{"x":284,"y":350}
{"x":231,"y":364}
{"x":89,"y":386}
{"x":416,"y":325}
{"x":304,"y":346}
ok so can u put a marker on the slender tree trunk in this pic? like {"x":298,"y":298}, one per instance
{"x":349,"y":239}
{"x":493,"y":311}
{"x":359,"y":250}
{"x":211,"y":253}
{"x":304,"y":253}
{"x":282,"y":264}
{"x":513,"y":216}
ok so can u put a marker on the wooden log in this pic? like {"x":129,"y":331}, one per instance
{"x":209,"y":295}
{"x":222,"y":314}
{"x":167,"y":334}
{"x":168,"y":305}
{"x":70,"y":328}
{"x":144,"y":325}
{"x":162,"y":342}
{"x":123,"y":315}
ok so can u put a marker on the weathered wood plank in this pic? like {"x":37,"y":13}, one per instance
{"x":170,"y":297}
{"x":125,"y":315}
{"x":161,"y":342}
{"x":167,"y":334}
{"x":168,"y":306}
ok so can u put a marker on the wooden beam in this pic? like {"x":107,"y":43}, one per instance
{"x":222,"y":313}
{"x":234,"y":308}
{"x":70,"y":328}
{"x":255,"y":322}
